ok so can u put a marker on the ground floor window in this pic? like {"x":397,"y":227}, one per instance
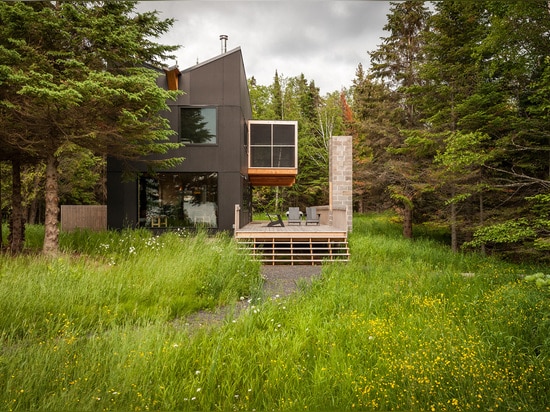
{"x":178,"y":200}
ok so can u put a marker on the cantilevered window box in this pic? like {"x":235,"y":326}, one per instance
{"x":273,"y":152}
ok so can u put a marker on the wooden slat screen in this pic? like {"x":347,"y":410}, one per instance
{"x":93,"y":217}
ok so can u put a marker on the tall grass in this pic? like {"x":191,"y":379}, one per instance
{"x":120,"y":278}
{"x":406,"y":325}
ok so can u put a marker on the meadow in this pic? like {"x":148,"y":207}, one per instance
{"x":405,"y":325}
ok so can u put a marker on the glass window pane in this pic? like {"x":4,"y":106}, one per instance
{"x":179,"y":200}
{"x":283,"y":134}
{"x":260,"y":156}
{"x":283,"y":157}
{"x":198,"y":125}
{"x":260,"y":134}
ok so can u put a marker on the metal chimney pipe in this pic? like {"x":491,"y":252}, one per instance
{"x":223,"y":39}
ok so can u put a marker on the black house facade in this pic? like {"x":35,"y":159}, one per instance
{"x":226,"y":152}
{"x":211,"y":119}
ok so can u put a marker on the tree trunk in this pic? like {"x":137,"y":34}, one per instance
{"x":481,"y":219}
{"x":454,"y":237}
{"x":408,"y":222}
{"x":102,"y":196}
{"x":17,"y":227}
{"x":51,"y":229}
{"x":33,"y":207}
{"x":1,"y":235}
{"x":32,"y":212}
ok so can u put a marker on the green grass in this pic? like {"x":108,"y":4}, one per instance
{"x":405,"y":325}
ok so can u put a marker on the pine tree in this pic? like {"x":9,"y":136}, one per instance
{"x":374,"y":108}
{"x":278,"y":93}
{"x":450,"y":74}
{"x":507,"y":108}
{"x":64,"y":82}
{"x":396,"y":62}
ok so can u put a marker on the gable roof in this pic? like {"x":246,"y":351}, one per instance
{"x":218,"y":57}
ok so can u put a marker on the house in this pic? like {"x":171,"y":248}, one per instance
{"x":226,"y":152}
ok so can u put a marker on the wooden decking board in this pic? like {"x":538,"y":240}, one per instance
{"x":258,"y":229}
{"x":292,"y":245}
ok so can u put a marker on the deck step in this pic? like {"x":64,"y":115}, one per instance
{"x":296,"y":251}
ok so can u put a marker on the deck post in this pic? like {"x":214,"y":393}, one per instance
{"x":237,"y":224}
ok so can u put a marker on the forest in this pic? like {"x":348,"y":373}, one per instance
{"x":450,"y":122}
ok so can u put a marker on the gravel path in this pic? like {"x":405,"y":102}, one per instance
{"x":283,"y":280}
{"x":279,"y":281}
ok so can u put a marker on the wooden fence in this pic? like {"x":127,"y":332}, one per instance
{"x":93,"y":217}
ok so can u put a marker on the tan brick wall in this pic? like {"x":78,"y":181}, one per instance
{"x":341,"y":175}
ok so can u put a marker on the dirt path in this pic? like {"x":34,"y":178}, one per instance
{"x":283,"y":280}
{"x":279,"y":281}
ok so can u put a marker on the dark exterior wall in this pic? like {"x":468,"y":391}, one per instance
{"x":216,"y":82}
{"x":121,"y":198}
{"x":229,"y":194}
{"x":221,"y":83}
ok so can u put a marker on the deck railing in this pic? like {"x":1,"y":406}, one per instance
{"x":296,"y":251}
{"x":295,"y":244}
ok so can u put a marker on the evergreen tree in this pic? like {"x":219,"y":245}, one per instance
{"x":278,"y":93}
{"x":66,"y":83}
{"x":260,"y":98}
{"x":302,"y":99}
{"x":396,"y":62}
{"x":293,"y":98}
{"x":482,"y":100}
{"x":375,"y":107}
{"x":450,"y":75}
{"x":508,"y":109}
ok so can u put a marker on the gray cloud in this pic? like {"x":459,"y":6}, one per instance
{"x":324,"y":40}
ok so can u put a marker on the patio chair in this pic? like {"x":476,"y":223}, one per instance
{"x":312,"y":216}
{"x":275,"y":220}
{"x":294,"y":215}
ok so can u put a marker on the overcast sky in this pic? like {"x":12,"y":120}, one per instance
{"x":324,"y":40}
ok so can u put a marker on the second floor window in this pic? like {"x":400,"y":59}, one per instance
{"x":198,"y":125}
{"x":273,"y":144}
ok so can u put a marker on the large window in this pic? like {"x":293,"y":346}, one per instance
{"x":198,"y":125}
{"x":273,"y":144}
{"x":178,"y":200}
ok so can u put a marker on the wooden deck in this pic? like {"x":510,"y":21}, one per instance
{"x":293,"y":244}
{"x":260,"y":227}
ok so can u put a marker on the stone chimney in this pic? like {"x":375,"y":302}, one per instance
{"x":341,"y":176}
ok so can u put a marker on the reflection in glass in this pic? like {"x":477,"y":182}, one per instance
{"x":179,"y":200}
{"x":198,"y":125}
